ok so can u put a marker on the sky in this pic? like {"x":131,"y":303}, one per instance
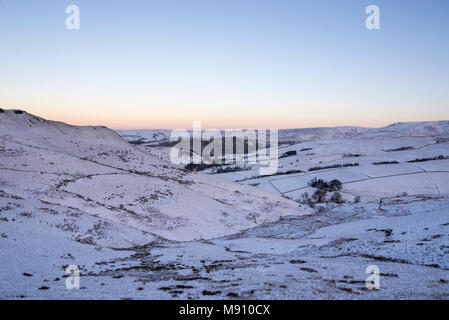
{"x":227,"y":63}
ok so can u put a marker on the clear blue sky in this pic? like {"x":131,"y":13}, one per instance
{"x":228,"y":63}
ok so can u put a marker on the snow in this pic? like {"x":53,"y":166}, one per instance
{"x":140,"y":228}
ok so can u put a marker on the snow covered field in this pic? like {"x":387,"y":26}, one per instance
{"x":141,"y":228}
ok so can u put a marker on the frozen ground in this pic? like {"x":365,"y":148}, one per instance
{"x":140,"y":228}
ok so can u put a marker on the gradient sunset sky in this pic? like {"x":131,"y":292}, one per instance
{"x":229,"y":63}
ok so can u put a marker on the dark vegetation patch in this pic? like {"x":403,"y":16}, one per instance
{"x":385,"y":259}
{"x":334,"y":166}
{"x":288,"y":154}
{"x":165,"y":288}
{"x":297,"y":261}
{"x":349,"y":290}
{"x":352,"y":155}
{"x":388,"y":232}
{"x":237,"y":143}
{"x":232,"y":295}
{"x":1,"y":110}
{"x":220,"y":168}
{"x":18,"y":111}
{"x":275,"y":174}
{"x":210,"y":293}
{"x":440,"y":157}
{"x":334,"y":185}
{"x":200,"y":167}
{"x":305,"y":149}
{"x":138,"y":142}
{"x":230,"y":169}
{"x":389,"y":275}
{"x":182,"y":286}
{"x":385,"y":162}
{"x":399,"y":149}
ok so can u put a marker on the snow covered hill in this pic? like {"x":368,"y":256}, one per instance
{"x":93,"y":170}
{"x":140,"y":228}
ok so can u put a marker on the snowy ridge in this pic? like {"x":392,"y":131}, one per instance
{"x":94,"y":170}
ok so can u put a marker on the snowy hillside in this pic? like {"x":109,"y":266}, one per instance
{"x":94,"y":170}
{"x":139,"y":227}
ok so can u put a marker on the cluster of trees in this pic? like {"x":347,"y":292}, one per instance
{"x":320,"y":194}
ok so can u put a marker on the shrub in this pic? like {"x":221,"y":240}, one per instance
{"x":357,"y":199}
{"x":335,"y":185}
{"x":385,"y":162}
{"x":336,"y":197}
{"x":319,"y":184}
{"x":319,"y":196}
{"x":1,"y":110}
{"x":305,"y":197}
{"x":18,"y":111}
